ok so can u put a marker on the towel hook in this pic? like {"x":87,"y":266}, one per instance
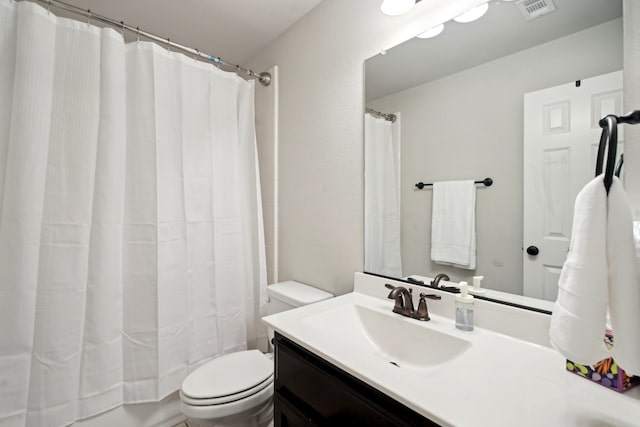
{"x":609,"y":125}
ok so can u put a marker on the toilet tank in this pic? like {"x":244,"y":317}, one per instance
{"x":287,"y":295}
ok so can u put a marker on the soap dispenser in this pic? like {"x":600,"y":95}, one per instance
{"x":464,"y":308}
{"x":476,"y":288}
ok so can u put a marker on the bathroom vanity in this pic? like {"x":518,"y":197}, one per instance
{"x":309,"y":391}
{"x":351,"y":361}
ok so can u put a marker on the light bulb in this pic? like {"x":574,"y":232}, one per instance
{"x":431,"y":32}
{"x":472,"y":14}
{"x":396,"y":7}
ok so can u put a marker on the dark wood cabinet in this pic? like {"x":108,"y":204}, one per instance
{"x":309,"y":391}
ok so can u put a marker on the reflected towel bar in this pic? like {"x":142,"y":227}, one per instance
{"x":488,"y":182}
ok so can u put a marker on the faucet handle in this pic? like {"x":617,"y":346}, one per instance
{"x":423,"y":312}
{"x":395,"y":290}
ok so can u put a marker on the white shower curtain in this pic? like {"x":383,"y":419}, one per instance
{"x":382,"y":200}
{"x":131,"y":241}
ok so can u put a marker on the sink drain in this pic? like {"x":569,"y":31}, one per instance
{"x":395,"y":364}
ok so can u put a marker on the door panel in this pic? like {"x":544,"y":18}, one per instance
{"x":561,"y":135}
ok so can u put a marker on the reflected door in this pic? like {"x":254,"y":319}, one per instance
{"x":561,"y":136}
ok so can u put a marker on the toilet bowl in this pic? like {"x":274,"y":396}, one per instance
{"x":236,"y":389}
{"x":231,"y":389}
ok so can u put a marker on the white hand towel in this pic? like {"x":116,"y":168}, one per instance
{"x":578,"y":322}
{"x":600,"y":274}
{"x":453,"y":224}
{"x":624,"y":281}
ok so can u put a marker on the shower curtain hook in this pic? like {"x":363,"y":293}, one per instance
{"x":196,"y":54}
{"x":138,"y":34}
{"x":122,"y":30}
{"x":49,"y":7}
{"x":88,"y":17}
{"x":168,"y":45}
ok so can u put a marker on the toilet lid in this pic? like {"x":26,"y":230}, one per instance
{"x":228,"y":375}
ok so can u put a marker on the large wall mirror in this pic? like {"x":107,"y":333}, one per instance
{"x":511,"y":97}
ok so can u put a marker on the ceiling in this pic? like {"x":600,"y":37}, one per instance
{"x":501,"y":31}
{"x":234,"y":30}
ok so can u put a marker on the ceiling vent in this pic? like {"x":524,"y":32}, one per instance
{"x":532,"y":9}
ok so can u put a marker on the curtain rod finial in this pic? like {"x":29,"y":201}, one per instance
{"x":265,"y":78}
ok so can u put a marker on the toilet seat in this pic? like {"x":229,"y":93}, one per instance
{"x":228,"y":398}
{"x":254,"y":405}
{"x":228,"y":378}
{"x":236,"y":384}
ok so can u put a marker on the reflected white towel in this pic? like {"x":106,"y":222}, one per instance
{"x":600,"y":274}
{"x":453,"y":224}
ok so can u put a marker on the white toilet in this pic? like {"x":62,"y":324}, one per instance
{"x":236,"y":390}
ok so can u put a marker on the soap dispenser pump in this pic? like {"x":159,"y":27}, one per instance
{"x":476,"y":288}
{"x":464,"y":308}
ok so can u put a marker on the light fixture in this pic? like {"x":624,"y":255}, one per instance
{"x":396,"y":7}
{"x":472,"y":14}
{"x":431,"y":32}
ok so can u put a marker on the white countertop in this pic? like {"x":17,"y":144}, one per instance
{"x":498,"y":381}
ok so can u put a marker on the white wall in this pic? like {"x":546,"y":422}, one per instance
{"x":469,"y":125}
{"x":320,"y":96}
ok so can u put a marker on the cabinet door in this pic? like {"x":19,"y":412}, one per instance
{"x":328,"y":396}
{"x":286,"y":414}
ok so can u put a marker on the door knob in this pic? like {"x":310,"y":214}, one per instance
{"x":533,"y":250}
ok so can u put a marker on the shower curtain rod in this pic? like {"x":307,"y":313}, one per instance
{"x":264,"y":78}
{"x":390,"y":117}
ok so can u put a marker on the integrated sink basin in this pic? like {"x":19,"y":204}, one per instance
{"x":400,"y":341}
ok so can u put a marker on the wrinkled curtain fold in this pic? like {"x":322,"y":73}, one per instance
{"x":382,"y":199}
{"x":131,"y":239}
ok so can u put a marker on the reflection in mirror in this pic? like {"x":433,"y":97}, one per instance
{"x":504,"y":97}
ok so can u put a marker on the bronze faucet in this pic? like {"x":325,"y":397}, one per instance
{"x":404,"y":299}
{"x":436,"y":280}
{"x":404,"y":302}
